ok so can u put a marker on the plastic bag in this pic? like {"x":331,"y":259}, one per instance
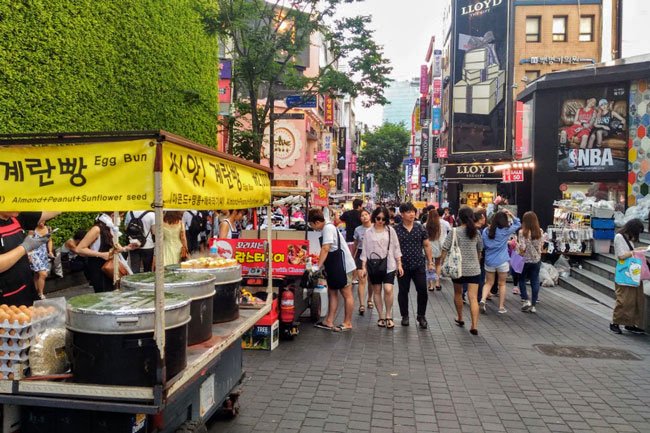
{"x":548,"y":275}
{"x":57,"y":266}
{"x":47,"y":355}
{"x":562,"y":264}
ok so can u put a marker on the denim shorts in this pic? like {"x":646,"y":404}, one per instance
{"x":503,"y":267}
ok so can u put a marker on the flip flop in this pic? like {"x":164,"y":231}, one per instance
{"x":381,"y":323}
{"x":323,"y":326}
{"x":390,"y":324}
{"x":341,"y":328}
{"x":362,"y":310}
{"x":371,"y":305}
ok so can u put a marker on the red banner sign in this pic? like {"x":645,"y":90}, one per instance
{"x":289,"y":256}
{"x":437,"y":90}
{"x":318,"y":194}
{"x":329,"y":111}
{"x":424,"y":79}
{"x":442,"y":152}
{"x":513,"y":175}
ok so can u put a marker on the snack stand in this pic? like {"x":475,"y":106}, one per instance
{"x":99,"y":172}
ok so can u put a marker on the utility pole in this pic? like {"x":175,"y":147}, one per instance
{"x":272,"y":135}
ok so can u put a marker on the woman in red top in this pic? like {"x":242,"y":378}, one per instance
{"x":582,"y":123}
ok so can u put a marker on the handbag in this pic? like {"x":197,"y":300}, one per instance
{"x":107,"y":268}
{"x":628,"y":271}
{"x":185,"y":253}
{"x":453,"y":264}
{"x":334,"y":266}
{"x":645,"y":271}
{"x":379,"y":266}
{"x":517,"y":262}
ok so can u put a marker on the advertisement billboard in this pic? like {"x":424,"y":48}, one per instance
{"x":479,"y":76}
{"x":592,"y":130}
{"x":329,"y":111}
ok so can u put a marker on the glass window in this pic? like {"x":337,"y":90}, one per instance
{"x":532,"y":29}
{"x":559,"y":28}
{"x":532,"y":75}
{"x":586,"y":28}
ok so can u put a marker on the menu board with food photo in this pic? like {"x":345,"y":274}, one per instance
{"x":289,"y":256}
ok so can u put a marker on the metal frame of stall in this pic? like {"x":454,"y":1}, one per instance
{"x":167,"y":399}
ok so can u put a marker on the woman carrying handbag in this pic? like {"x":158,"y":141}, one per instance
{"x":464,"y":246}
{"x":628,"y":310}
{"x":381,"y":257}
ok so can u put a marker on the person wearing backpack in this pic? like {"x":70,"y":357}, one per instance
{"x":194,"y":226}
{"x":139,"y":228}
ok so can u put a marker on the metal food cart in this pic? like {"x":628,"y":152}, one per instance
{"x":121,"y":171}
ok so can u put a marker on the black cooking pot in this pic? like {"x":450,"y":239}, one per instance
{"x":227,"y":286}
{"x":113,"y":340}
{"x":199,"y":286}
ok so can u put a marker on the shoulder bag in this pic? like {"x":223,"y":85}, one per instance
{"x":379,"y":266}
{"x":452,"y":266}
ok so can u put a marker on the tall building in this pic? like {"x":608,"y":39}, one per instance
{"x":401,"y":96}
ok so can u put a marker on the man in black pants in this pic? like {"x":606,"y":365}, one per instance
{"x":413,"y":238}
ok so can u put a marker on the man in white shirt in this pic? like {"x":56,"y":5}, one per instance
{"x":337,"y":261}
{"x":142,"y":257}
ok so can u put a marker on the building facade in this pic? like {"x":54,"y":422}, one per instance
{"x":401,"y":96}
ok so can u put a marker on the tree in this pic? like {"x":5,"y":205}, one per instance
{"x":383,"y":155}
{"x":268,"y":41}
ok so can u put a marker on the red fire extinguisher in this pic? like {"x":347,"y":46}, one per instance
{"x":286,"y":306}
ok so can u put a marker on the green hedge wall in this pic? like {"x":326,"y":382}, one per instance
{"x":87,"y":65}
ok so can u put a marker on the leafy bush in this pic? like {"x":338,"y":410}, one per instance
{"x":69,"y":223}
{"x":84,"y":65}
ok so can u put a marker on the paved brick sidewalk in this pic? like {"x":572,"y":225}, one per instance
{"x":445,"y":380}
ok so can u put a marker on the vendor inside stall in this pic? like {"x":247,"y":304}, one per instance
{"x":16,"y":277}
{"x":230,"y":227}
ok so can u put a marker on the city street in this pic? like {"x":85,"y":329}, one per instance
{"x":443,"y":379}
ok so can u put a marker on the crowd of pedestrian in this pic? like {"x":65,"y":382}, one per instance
{"x":421,"y":248}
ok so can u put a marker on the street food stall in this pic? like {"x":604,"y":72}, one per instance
{"x":132,"y":369}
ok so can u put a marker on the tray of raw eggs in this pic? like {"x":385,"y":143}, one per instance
{"x":19,"y":323}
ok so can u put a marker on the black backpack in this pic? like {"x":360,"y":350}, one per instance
{"x":197,"y":225}
{"x":135,"y":228}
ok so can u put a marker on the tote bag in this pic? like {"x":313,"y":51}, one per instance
{"x":452,"y":266}
{"x":628,"y":272}
{"x":517,"y":262}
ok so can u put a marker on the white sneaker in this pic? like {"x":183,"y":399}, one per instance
{"x":532,"y":309}
{"x":502,"y":311}
{"x":526,"y":307}
{"x":481,"y":306}
{"x":523,"y":301}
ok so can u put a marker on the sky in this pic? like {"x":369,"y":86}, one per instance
{"x":404,"y":28}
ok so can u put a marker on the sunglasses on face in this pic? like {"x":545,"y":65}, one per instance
{"x":379,"y":219}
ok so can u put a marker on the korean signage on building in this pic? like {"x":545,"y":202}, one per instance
{"x":225,"y":69}
{"x":424,"y":79}
{"x":549,"y":60}
{"x":437,"y":63}
{"x":437,"y":91}
{"x":479,"y":89}
{"x":329,"y":111}
{"x":435,"y":121}
{"x":441,"y":152}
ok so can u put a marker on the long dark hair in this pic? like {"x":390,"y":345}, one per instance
{"x":105,"y":233}
{"x":632,"y":229}
{"x":466,"y":216}
{"x":499,"y":221}
{"x":433,"y":225}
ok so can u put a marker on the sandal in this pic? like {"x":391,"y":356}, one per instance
{"x":321,"y":325}
{"x":341,"y":328}
{"x":381,"y":323}
{"x":371,"y":305}
{"x":432,"y":288}
{"x":362,"y":310}
{"x":389,"y":323}
{"x":459,"y":322}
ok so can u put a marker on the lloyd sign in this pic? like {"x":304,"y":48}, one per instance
{"x":480,"y":7}
{"x":471,"y":171}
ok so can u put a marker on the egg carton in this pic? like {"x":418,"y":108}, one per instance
{"x":26,"y":330}
{"x":16,"y":371}
{"x":14,"y":355}
{"x":10,"y":365}
{"x":15,"y":344}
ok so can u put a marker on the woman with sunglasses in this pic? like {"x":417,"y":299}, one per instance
{"x":380,"y":244}
{"x":359,"y":234}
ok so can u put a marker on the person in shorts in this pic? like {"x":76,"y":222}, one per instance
{"x":337,"y":261}
{"x":357,"y":245}
{"x":381,"y":243}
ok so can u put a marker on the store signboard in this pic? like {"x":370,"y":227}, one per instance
{"x":592,"y":129}
{"x":472,"y":171}
{"x":424,"y":111}
{"x":437,"y":91}
{"x":442,"y":152}
{"x":329,"y":110}
{"x":328,"y":138}
{"x":224,"y":90}
{"x":322,"y":156}
{"x":319,"y":195}
{"x":425,"y":147}
{"x":437,"y":63}
{"x":289,"y":256}
{"x":225,"y":69}
{"x":436,"y":122}
{"x":479,"y":77}
{"x":512,"y":175}
{"x":424,"y":79}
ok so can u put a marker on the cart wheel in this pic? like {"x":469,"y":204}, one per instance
{"x":192,"y":427}
{"x":230,"y":408}
{"x":314,"y":307}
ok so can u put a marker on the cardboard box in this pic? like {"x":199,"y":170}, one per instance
{"x":262,"y":337}
{"x":474,"y":76}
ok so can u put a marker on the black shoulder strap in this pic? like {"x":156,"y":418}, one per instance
{"x":628,"y":242}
